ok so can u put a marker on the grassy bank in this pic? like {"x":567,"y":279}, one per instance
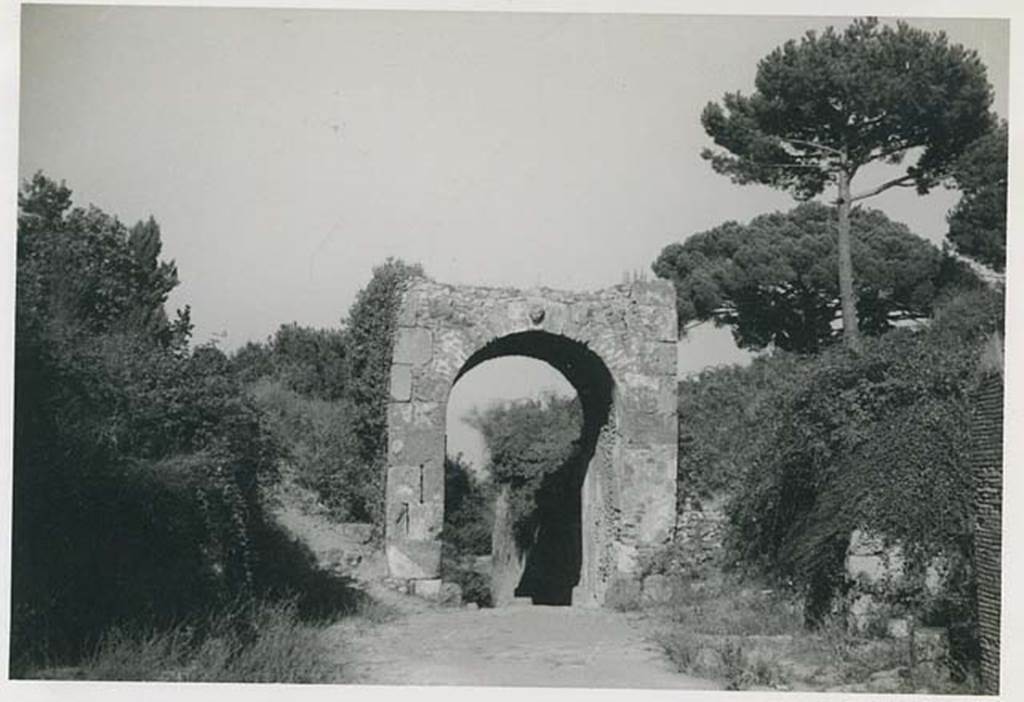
{"x":254,"y":641}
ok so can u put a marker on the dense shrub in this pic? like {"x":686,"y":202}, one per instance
{"x":319,"y":448}
{"x":468,"y":509}
{"x":877,"y":441}
{"x":340,"y":376}
{"x":811,"y":448}
{"x":727,"y":417}
{"x":137,"y":462}
{"x":468,"y":523}
{"x":310,"y":362}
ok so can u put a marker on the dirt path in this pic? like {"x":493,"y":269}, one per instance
{"x":522,"y":645}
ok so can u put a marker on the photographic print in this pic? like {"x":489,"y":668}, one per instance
{"x":510,"y":349}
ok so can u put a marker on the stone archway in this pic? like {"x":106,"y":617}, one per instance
{"x":616,"y":346}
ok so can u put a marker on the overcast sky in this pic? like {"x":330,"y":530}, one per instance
{"x":286,"y":152}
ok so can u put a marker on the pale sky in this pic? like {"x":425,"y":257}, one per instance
{"x":286,"y":152}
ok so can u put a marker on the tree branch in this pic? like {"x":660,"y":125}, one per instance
{"x":902,"y":180}
{"x":813,"y":145}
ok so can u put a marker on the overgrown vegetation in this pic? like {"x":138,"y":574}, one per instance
{"x":812,"y":448}
{"x":468,"y":525}
{"x":870,"y":438}
{"x":531,"y":443}
{"x":749,"y":636}
{"x":531,"y":446}
{"x":874,"y":441}
{"x":140,"y":463}
{"x":325,"y":393}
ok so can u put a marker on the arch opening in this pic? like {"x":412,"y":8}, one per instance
{"x":544,"y":560}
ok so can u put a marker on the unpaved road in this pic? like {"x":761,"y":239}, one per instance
{"x":522,"y":645}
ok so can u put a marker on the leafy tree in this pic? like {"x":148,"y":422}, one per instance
{"x":529,"y":442}
{"x":84,"y":267}
{"x":977,"y":224}
{"x":136,"y":461}
{"x":773,"y":280}
{"x":311,"y":362}
{"x":830,"y":105}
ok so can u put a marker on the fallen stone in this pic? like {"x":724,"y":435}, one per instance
{"x":450,"y":594}
{"x":428,"y":589}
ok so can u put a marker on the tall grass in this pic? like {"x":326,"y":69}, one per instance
{"x":256,"y":641}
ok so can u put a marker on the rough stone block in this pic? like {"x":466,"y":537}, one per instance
{"x":428,"y":415}
{"x":450,"y":594}
{"x":403,"y":484}
{"x":417,"y":446}
{"x":867,"y":558}
{"x":430,"y":385}
{"x":653,"y":292}
{"x":401,"y":382}
{"x":414,"y":559}
{"x":426,"y":520}
{"x":413,"y":345}
{"x":661,"y":357}
{"x":414,"y":501}
{"x":642,"y":421}
{"x":427,"y":589}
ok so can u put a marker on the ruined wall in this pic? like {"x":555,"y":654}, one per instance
{"x":629,"y":489}
{"x":987,"y":459}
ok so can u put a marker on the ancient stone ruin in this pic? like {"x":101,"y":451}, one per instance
{"x":617,"y":347}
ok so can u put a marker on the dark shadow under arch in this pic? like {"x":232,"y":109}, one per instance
{"x":554,"y":558}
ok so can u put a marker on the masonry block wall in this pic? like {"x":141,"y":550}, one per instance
{"x":616,"y":346}
{"x":987,"y":440}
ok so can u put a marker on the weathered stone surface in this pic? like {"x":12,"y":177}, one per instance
{"x":617,"y":344}
{"x":870,"y":560}
{"x":413,"y":345}
{"x":414,"y":560}
{"x":987,"y":465}
{"x":623,"y":593}
{"x":450,"y":594}
{"x":401,"y":382}
{"x":428,"y":589}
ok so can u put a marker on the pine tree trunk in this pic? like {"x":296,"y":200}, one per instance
{"x":847,"y":297}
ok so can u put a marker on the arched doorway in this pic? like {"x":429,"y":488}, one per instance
{"x":618,"y":349}
{"x":545,"y":564}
